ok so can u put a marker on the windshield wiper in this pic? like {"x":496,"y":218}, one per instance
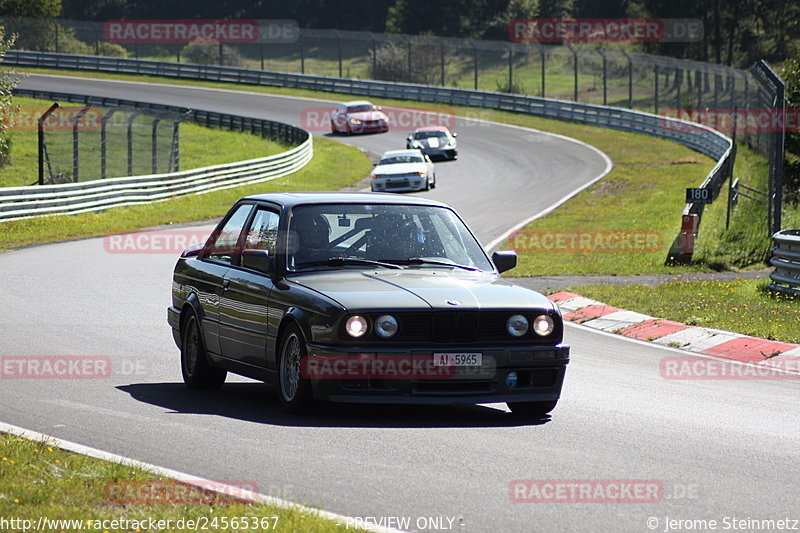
{"x":423,"y":261}
{"x":339,"y":261}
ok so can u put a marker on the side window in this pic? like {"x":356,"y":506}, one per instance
{"x":225,"y":243}
{"x":263,"y":234}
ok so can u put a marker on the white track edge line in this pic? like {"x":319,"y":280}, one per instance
{"x":205,"y":483}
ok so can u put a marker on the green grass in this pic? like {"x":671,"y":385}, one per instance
{"x":194,"y":152}
{"x":334,"y":166}
{"x":743,"y":306}
{"x":40,"y":480}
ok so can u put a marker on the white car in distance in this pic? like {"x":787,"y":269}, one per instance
{"x":403,"y":170}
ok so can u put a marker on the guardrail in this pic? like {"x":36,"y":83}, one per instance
{"x":701,"y":138}
{"x":786,"y":260}
{"x":72,"y":198}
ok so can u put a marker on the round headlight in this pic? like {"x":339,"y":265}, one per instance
{"x":543,"y":325}
{"x":356,"y":326}
{"x":385,"y":326}
{"x":517,"y":325}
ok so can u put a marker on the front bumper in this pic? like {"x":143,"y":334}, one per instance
{"x":369,"y":127}
{"x":539,"y":376}
{"x":399,"y":184}
{"x":446,"y":153}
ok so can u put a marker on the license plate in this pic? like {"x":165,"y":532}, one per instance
{"x":457,"y":359}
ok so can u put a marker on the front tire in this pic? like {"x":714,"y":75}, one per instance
{"x":198,"y":373}
{"x":534,"y":410}
{"x":294,"y":391}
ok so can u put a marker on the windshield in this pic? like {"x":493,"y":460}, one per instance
{"x":360,"y":108}
{"x":429,"y":134}
{"x":396,"y":159}
{"x":383,"y":233}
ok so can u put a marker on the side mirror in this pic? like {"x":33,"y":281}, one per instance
{"x":504,"y":260}
{"x":260,"y":260}
{"x":410,"y":138}
{"x":454,"y":134}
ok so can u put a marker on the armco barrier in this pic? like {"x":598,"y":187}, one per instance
{"x":701,"y":138}
{"x":81,"y":197}
{"x":786,"y":260}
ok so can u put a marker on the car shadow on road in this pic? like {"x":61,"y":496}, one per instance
{"x":257,"y":402}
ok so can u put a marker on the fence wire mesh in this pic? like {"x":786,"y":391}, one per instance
{"x":88,"y":143}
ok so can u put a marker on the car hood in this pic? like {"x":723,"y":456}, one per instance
{"x":367,"y":115}
{"x":420,"y":288}
{"x":400,"y":168}
{"x":432,"y":142}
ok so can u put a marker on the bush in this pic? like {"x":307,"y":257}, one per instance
{"x":391,"y":61}
{"x":69,"y":44}
{"x":207,"y":53}
{"x":111,"y":50}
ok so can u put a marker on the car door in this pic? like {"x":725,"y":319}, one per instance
{"x":209,"y":277}
{"x":244,"y":310}
{"x":340,"y":117}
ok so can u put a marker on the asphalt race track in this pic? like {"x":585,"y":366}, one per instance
{"x":718,"y":448}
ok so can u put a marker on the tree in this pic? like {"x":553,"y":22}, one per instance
{"x":38,"y":9}
{"x":791,"y":75}
{"x":8,"y":80}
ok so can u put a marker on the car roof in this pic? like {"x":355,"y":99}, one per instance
{"x":410,"y":151}
{"x":291,"y":199}
{"x":357,"y":102}
{"x":432,"y":128}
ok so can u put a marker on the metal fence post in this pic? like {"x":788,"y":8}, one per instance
{"x":510,"y":68}
{"x":339,"y":50}
{"x":410,"y":66}
{"x":154,"y":145}
{"x":75,"y":145}
{"x":605,"y":77}
{"x":40,"y":129}
{"x":656,"y":91}
{"x":302,"y":55}
{"x":543,"y":55}
{"x":574,"y":73}
{"x":475,"y":61}
{"x":441,"y":63}
{"x":374,"y":58}
{"x":630,"y":79}
{"x":103,"y":146}
{"x":130,"y":141}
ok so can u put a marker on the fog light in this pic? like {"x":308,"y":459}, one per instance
{"x":356,"y":326}
{"x":511,"y":379}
